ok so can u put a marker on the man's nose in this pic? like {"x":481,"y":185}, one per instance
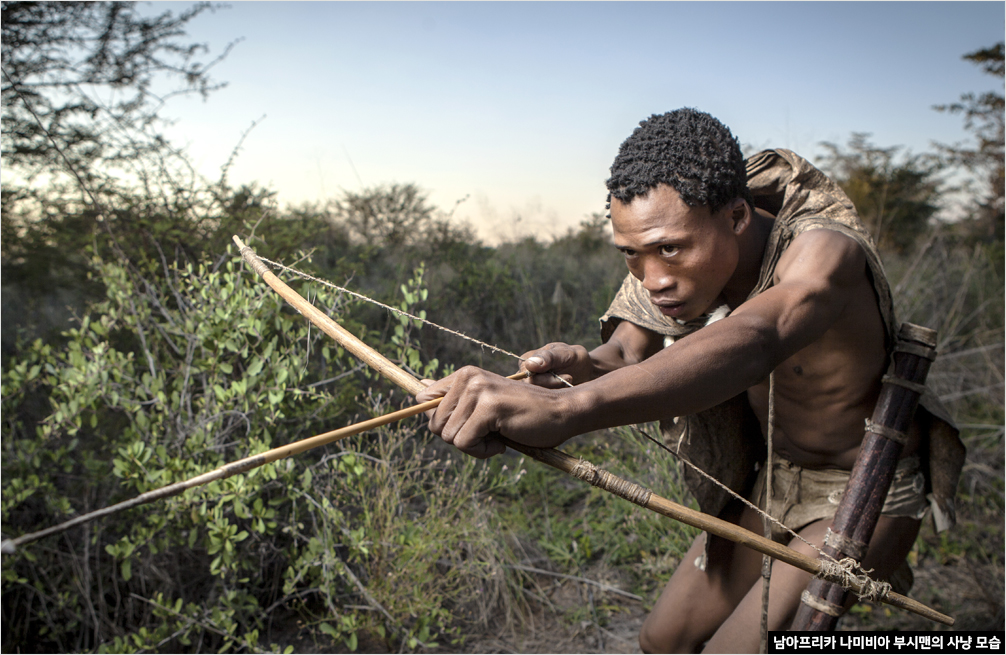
{"x":656,"y":277}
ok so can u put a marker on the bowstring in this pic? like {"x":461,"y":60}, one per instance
{"x":679,"y":457}
{"x":396,"y":310}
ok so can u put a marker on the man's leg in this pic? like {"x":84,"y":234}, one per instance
{"x":741,"y":631}
{"x":724,"y":606}
{"x":696,"y":602}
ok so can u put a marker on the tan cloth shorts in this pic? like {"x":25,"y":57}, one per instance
{"x":801,"y":496}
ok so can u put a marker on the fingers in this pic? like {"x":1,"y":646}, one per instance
{"x":544,"y":359}
{"x":539,"y":369}
{"x":534,"y":364}
{"x":550,"y":380}
{"x":461,"y":386}
{"x":433,"y":391}
{"x":472,"y":436}
{"x":555,"y":359}
{"x":484,"y":448}
{"x":475,"y":404}
{"x":463,"y":418}
{"x":554,"y":356}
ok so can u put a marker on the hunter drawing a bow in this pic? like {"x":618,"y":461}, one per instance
{"x":826,"y":570}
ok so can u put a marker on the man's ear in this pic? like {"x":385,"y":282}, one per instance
{"x":740,"y":213}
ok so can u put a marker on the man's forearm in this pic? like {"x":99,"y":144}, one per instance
{"x":606,"y":358}
{"x":698,"y":372}
{"x":630,"y":344}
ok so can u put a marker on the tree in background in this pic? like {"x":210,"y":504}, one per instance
{"x":392,"y":215}
{"x":86,"y":168}
{"x":86,"y":80}
{"x":896,"y":194}
{"x":983,"y":159}
{"x":82,"y":87}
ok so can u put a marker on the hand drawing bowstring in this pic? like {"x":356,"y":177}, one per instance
{"x":846,"y":568}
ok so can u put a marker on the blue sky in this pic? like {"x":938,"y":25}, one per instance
{"x":521,"y":106}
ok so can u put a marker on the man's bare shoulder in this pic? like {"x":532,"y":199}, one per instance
{"x":823,"y":280}
{"x":820,"y":279}
{"x":822,"y":256}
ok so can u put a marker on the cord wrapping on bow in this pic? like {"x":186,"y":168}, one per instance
{"x":598,"y":477}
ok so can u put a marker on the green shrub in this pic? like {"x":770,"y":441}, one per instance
{"x":166,"y":380}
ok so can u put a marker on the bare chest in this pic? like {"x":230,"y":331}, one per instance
{"x":823,"y":393}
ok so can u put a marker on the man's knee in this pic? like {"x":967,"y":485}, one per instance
{"x":662,"y":637}
{"x":681,"y":628}
{"x":646,"y":642}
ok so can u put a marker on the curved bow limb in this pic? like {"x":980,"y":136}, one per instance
{"x":577,"y":467}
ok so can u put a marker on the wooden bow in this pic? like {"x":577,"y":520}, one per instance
{"x":580,"y":468}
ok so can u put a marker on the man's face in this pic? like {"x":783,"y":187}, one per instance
{"x":684,"y":256}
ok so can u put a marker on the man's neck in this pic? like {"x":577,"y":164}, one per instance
{"x":752,"y":252}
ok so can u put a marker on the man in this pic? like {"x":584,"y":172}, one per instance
{"x":802,"y":291}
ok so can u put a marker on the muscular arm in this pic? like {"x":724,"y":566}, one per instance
{"x":815,"y":279}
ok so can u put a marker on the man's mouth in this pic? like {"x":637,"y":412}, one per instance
{"x":669,"y":308}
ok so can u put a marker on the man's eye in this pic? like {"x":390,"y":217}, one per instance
{"x":628,"y":252}
{"x":667,"y":251}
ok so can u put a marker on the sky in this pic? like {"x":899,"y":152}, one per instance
{"x":519,"y":107}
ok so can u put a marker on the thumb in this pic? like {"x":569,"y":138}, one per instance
{"x":536,"y":364}
{"x":551,"y":359}
{"x":430,"y":393}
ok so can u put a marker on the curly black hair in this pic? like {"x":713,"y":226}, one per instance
{"x":689,"y":150}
